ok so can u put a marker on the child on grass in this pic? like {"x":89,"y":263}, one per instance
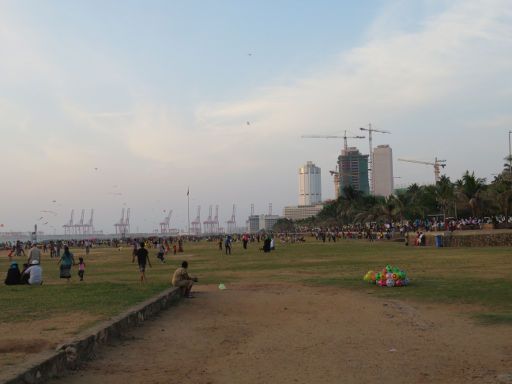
{"x":81,"y":268}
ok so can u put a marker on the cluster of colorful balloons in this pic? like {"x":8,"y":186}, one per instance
{"x":388,"y":277}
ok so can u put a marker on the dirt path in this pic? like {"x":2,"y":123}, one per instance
{"x":294,"y":334}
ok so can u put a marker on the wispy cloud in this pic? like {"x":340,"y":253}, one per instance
{"x":449,"y":73}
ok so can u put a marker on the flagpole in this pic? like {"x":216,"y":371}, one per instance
{"x":188,"y":209}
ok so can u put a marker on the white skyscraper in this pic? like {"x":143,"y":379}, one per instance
{"x":382,"y":173}
{"x":310,"y":186}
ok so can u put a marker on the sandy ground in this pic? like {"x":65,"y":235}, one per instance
{"x":23,"y":339}
{"x":295,"y":334}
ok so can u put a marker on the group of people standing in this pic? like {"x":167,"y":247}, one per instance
{"x":32,"y":273}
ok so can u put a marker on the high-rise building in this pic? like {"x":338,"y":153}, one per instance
{"x":310,"y":187}
{"x":353,"y":170}
{"x":382,"y":172}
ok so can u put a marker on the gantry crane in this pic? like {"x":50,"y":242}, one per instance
{"x":370,"y":130}
{"x":437,"y":164}
{"x":344,"y":137}
{"x":164,"y":225}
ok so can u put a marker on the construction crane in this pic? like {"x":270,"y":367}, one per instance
{"x":344,"y":137}
{"x":437,"y":164}
{"x":345,"y":146}
{"x":370,"y":130}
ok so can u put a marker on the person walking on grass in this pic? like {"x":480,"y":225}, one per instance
{"x":227,"y":245}
{"x":183,"y":280}
{"x":142,"y":259}
{"x":66,"y":262}
{"x":81,"y":268}
{"x":161,"y":252}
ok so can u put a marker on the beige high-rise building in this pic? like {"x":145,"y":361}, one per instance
{"x":382,"y":173}
{"x":310,"y":187}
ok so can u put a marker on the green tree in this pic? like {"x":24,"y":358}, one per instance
{"x":284,"y":225}
{"x":469,"y":188}
{"x":506,"y":166}
{"x":445,"y":193}
{"x":499,"y":194}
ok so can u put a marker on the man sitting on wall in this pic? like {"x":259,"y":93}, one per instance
{"x":183,"y":280}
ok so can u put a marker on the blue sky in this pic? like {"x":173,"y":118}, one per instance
{"x":157,"y":96}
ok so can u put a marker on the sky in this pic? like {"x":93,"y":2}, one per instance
{"x":115,"y":104}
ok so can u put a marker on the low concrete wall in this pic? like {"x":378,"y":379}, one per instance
{"x":458,"y":239}
{"x":69,"y":356}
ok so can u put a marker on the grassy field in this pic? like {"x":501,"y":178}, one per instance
{"x":478,"y":278}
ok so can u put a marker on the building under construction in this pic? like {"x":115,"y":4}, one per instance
{"x":353,"y":170}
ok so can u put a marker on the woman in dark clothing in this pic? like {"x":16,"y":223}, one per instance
{"x":66,"y":261}
{"x":13,"y":274}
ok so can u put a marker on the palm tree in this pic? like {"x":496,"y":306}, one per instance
{"x":506,"y":166}
{"x":445,"y":194}
{"x":387,"y":209}
{"x":500,"y":194}
{"x":470,"y":188}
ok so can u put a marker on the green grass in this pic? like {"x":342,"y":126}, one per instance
{"x":480,"y":277}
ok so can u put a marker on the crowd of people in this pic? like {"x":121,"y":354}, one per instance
{"x":31,"y":272}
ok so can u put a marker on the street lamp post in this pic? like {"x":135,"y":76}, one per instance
{"x":509,"y":153}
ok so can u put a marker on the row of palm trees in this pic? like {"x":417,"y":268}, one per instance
{"x":467,"y":196}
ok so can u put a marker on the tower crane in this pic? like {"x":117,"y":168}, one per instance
{"x":344,"y":137}
{"x":370,"y":130}
{"x":437,"y":164}
{"x":345,"y":146}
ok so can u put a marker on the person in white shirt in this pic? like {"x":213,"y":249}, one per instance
{"x":34,"y":273}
